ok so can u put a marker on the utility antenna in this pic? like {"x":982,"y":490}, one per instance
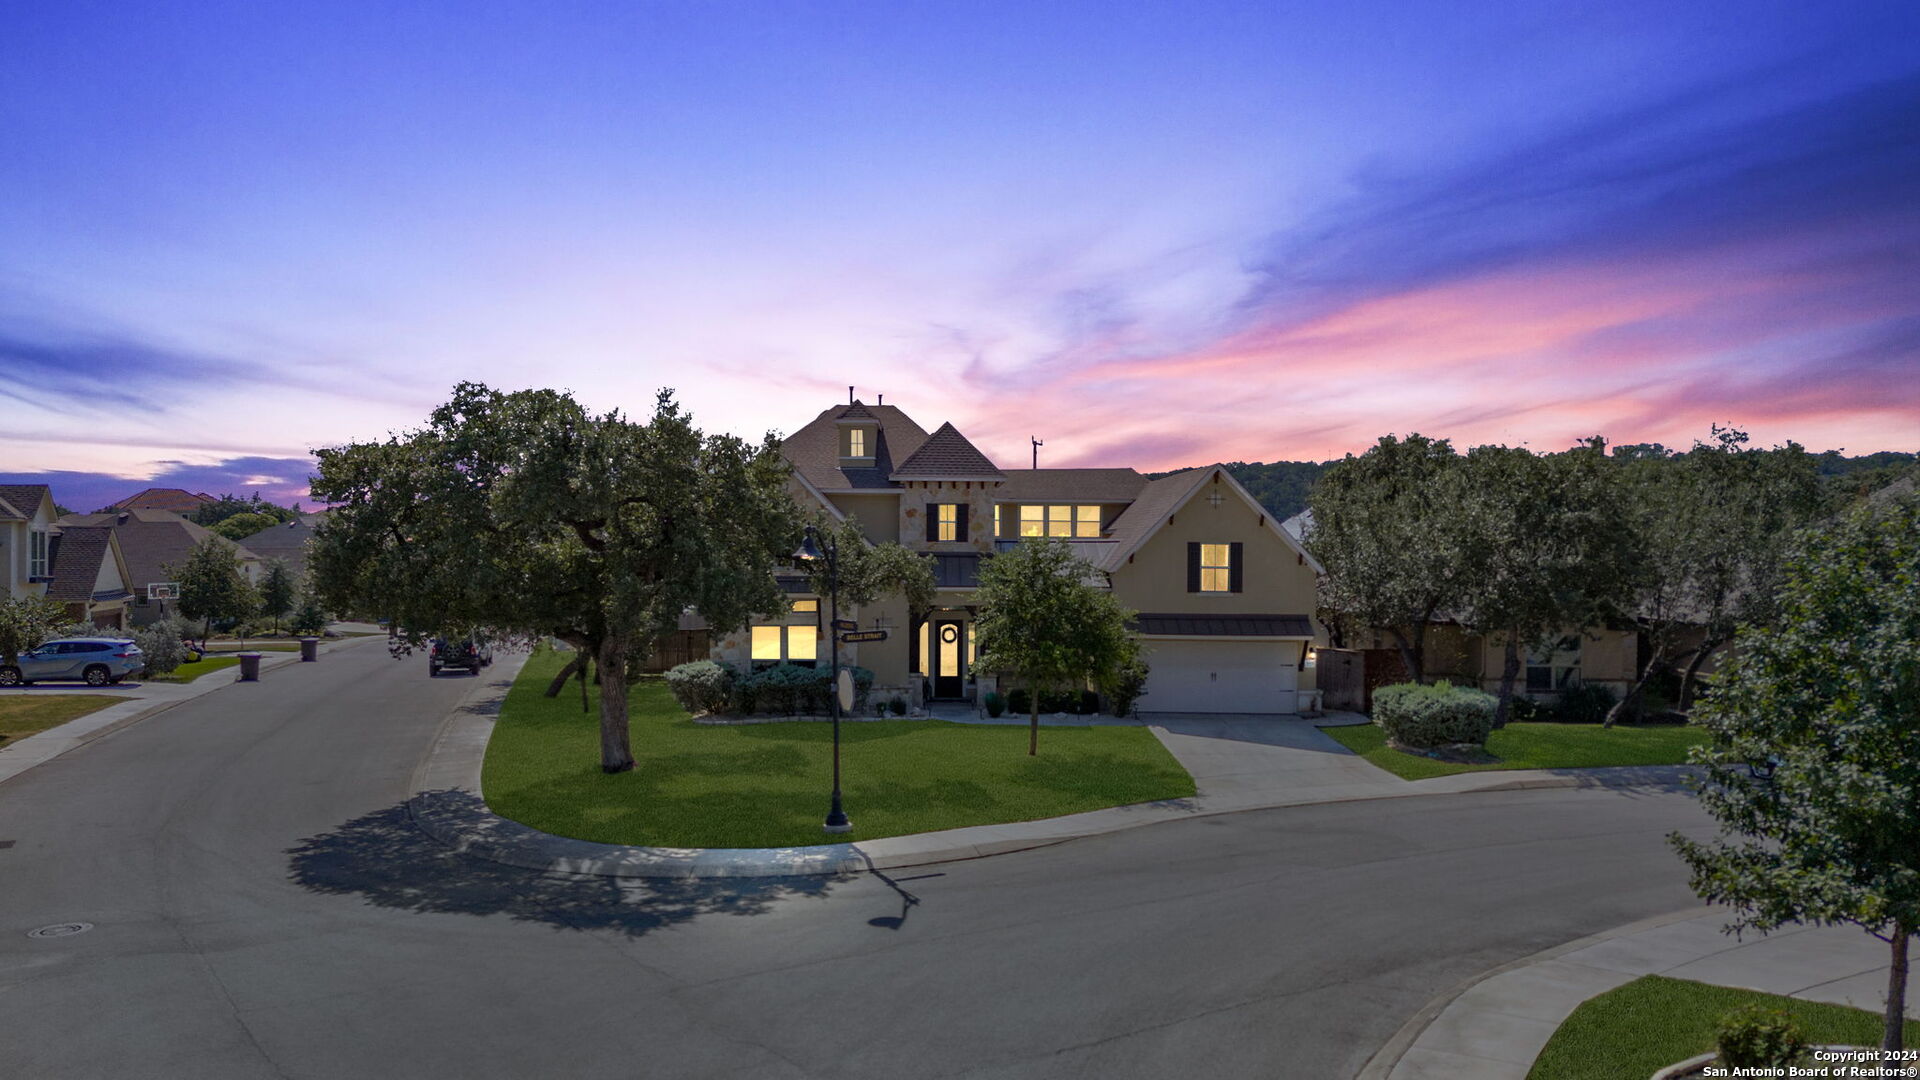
{"x":1037,"y":444}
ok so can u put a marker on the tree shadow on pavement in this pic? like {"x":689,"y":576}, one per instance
{"x":386,"y":860}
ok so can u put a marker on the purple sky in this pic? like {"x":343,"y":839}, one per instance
{"x":1151,"y":235}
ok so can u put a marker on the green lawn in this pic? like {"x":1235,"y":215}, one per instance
{"x":767,"y":785}
{"x":1535,"y":746}
{"x":229,"y":648}
{"x":23,"y":715}
{"x":1653,"y":1022}
{"x":193,"y":670}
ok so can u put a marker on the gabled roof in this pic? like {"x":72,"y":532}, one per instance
{"x":75,"y":555}
{"x":814,"y":450}
{"x":1164,"y":497}
{"x":857,"y":411}
{"x":1070,"y":485}
{"x":177,"y":500}
{"x":946,"y":454}
{"x":1298,"y":524}
{"x":23,"y":499}
{"x":151,"y":540}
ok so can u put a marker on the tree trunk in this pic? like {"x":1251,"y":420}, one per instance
{"x":1892,"y":1035}
{"x":1033,"y":720}
{"x":1412,"y":652}
{"x":616,"y":753}
{"x":1706,"y":650}
{"x":1509,"y":671}
{"x":559,"y":682}
{"x":1629,"y":701}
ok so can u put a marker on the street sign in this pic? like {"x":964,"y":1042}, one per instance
{"x":845,"y":624}
{"x":843,"y":687}
{"x":864,"y":635}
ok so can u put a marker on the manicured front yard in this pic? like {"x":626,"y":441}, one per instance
{"x":1652,"y":1022}
{"x":1535,"y":746}
{"x":22,"y":715}
{"x":767,"y":785}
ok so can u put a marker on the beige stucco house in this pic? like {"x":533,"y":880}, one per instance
{"x":82,"y":568}
{"x":1225,"y":596}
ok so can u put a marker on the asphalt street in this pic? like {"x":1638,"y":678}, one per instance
{"x":261,"y":906}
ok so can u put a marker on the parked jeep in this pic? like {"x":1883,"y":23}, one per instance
{"x":471,"y":653}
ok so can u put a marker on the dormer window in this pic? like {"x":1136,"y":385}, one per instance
{"x":858,"y":442}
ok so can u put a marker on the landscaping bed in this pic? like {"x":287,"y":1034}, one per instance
{"x":767,"y":785}
{"x":1652,"y":1022}
{"x":29,"y":714}
{"x":192,"y":670}
{"x":1534,"y":746}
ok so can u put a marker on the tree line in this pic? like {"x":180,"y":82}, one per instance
{"x":1525,"y":547}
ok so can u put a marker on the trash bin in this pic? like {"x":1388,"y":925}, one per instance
{"x":249,"y":667}
{"x":309,"y":649}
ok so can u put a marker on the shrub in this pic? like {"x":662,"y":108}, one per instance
{"x":1754,"y":1036}
{"x":162,"y":645}
{"x":996,"y":705}
{"x":1584,"y":703}
{"x":790,"y":689}
{"x":1124,"y":689}
{"x":1019,"y":701}
{"x":701,"y":686}
{"x":898,"y":706}
{"x":1525,"y":710}
{"x":1425,"y":716}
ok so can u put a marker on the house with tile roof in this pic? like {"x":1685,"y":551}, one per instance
{"x":177,"y":500}
{"x":152,"y":541}
{"x":1225,"y":596}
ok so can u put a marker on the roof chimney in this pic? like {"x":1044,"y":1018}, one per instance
{"x":881,"y":400}
{"x":849,"y":395}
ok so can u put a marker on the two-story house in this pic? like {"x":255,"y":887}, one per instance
{"x":1225,"y":596}
{"x":82,"y":568}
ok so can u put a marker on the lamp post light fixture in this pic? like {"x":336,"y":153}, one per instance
{"x":813,"y":549}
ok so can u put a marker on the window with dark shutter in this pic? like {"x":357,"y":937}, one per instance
{"x":1236,"y":566}
{"x":960,"y":527}
{"x":1193,"y":567}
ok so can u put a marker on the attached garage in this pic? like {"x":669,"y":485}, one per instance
{"x":1222,"y":664}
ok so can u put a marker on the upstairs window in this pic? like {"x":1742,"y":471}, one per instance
{"x":859,"y":442}
{"x":1081,"y":522}
{"x":949,"y":522}
{"x":37,"y":554}
{"x":1214,"y":568}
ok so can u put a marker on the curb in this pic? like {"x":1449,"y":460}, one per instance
{"x":446,"y":803}
{"x":1382,"y":1063}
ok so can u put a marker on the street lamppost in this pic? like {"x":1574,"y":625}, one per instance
{"x":812,"y":549}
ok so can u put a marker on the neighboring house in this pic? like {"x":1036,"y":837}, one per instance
{"x":1369,"y":660}
{"x":286,"y":542}
{"x":172,"y":499}
{"x":1225,"y":597}
{"x":27,"y":517}
{"x":150,"y":542}
{"x":90,"y":576}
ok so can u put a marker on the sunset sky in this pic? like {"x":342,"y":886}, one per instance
{"x":1149,"y":234}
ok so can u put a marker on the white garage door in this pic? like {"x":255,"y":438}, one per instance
{"x":1221,"y":676}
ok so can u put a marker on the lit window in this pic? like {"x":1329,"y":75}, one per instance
{"x":857,"y":443}
{"x":1086,"y":522}
{"x":1216,"y":570}
{"x":803,"y":644}
{"x":1033,"y":521}
{"x":1059,"y":521}
{"x":947,"y":521}
{"x":808,"y":607}
{"x":766,"y":643}
{"x":999,"y":520}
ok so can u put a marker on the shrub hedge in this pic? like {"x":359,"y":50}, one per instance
{"x":704,"y":686}
{"x":1436,"y":715}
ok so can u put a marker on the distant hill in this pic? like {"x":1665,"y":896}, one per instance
{"x":1282,"y":486}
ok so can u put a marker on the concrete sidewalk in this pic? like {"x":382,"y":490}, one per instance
{"x":1238,"y":763}
{"x":148,"y":699}
{"x":1494,"y":1028}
